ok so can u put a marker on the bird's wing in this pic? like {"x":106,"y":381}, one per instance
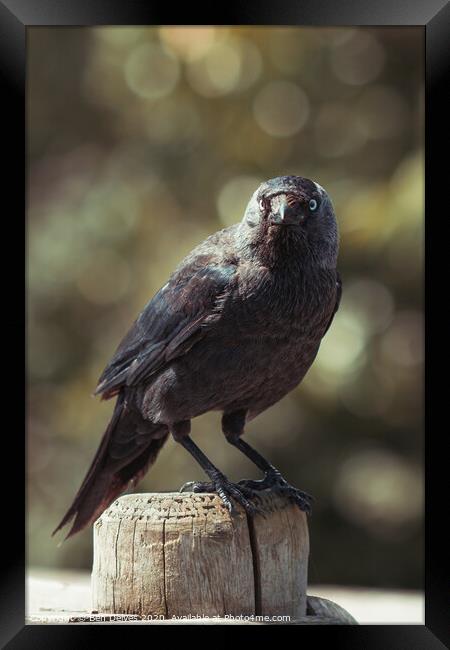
{"x":338,"y":301}
{"x":170,"y":324}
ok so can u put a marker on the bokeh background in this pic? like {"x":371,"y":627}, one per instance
{"x":142,"y":142}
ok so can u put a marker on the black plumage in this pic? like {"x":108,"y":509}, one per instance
{"x":235,"y":328}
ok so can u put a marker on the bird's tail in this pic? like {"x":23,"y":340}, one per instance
{"x":107,"y":476}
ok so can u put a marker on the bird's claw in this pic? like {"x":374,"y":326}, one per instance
{"x":228,"y":492}
{"x":276,"y":483}
{"x":187,"y":487}
{"x":301,"y":499}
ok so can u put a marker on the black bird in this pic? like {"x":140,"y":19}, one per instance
{"x":235,"y":328}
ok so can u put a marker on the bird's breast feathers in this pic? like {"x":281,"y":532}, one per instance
{"x":259,"y":299}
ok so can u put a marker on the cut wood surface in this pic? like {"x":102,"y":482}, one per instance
{"x":183,"y":554}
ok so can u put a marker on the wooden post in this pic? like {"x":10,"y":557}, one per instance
{"x":183,"y":554}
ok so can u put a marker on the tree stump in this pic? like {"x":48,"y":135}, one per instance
{"x":183,"y":555}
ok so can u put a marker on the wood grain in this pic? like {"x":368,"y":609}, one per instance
{"x":181,"y":554}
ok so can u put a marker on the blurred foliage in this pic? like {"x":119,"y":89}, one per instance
{"x":141,"y":142}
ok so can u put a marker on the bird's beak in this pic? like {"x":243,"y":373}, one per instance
{"x":288,"y":214}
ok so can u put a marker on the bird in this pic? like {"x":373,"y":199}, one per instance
{"x":236,"y":327}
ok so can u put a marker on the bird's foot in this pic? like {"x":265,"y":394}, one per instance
{"x":198,"y":486}
{"x":274,"y":481}
{"x":227,"y":491}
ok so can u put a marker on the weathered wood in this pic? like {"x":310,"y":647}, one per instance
{"x":183,"y":554}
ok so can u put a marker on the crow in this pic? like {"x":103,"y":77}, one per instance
{"x":236,"y":327}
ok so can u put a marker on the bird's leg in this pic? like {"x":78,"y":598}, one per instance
{"x":233,"y":427}
{"x":219,"y":482}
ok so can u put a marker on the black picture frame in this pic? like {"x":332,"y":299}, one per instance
{"x":434,"y":16}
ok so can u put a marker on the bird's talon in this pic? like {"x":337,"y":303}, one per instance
{"x":198,"y":487}
{"x":301,"y":499}
{"x":276,"y":483}
{"x":187,"y":487}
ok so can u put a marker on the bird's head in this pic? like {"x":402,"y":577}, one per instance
{"x":295,"y":210}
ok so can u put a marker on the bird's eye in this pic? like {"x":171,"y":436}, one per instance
{"x":262,"y":205}
{"x":313,"y":205}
